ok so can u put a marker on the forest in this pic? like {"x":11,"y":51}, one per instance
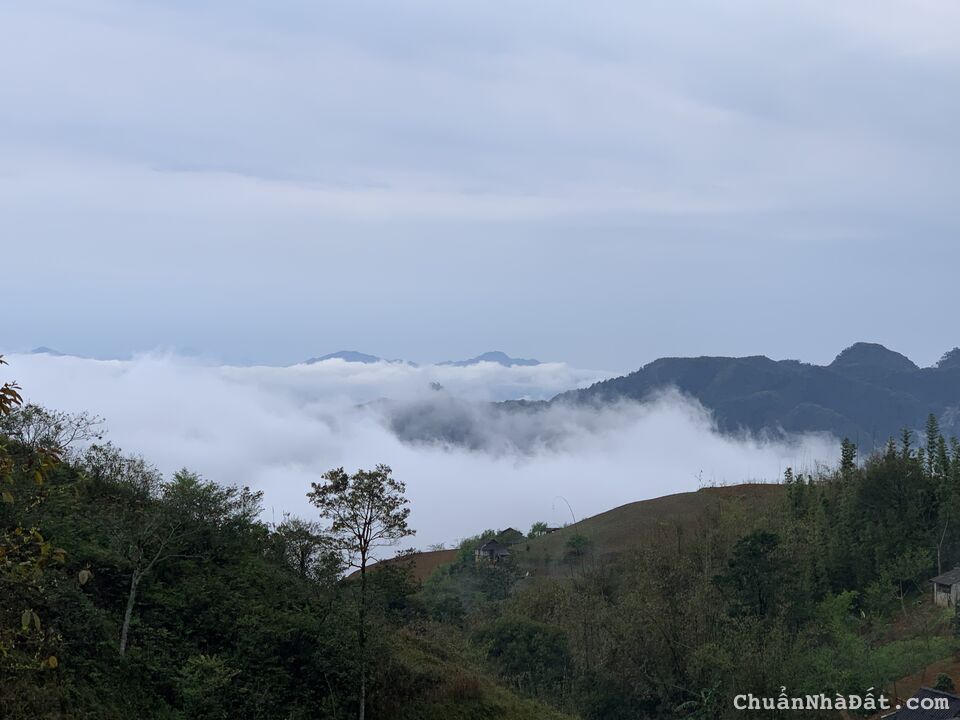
{"x":127,"y":594}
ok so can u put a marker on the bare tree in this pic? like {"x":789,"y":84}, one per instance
{"x":38,"y":428}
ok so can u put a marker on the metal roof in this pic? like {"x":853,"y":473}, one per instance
{"x":951,"y":577}
{"x":952,"y":710}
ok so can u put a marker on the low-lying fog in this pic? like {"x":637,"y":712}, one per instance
{"x":277,"y":429}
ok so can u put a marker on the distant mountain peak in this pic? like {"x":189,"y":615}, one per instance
{"x":873,"y":356}
{"x":950,"y":359}
{"x":44,"y":350}
{"x":352,"y":356}
{"x":494,"y":356}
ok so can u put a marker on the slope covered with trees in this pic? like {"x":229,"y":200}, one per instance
{"x":822,"y":588}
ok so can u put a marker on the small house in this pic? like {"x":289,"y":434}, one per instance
{"x":492,"y":551}
{"x":510,"y":536}
{"x":946,"y":588}
{"x":927,"y":704}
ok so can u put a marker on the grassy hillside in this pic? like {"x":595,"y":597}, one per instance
{"x":665,"y":521}
{"x":420,"y":564}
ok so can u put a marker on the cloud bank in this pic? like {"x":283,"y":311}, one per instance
{"x":278,"y":429}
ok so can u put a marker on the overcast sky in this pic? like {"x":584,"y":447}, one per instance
{"x":596,"y":183}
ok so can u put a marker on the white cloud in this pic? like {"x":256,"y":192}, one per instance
{"x":278,"y":429}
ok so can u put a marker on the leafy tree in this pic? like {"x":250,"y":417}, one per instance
{"x":367,"y":511}
{"x":307,"y":550}
{"x":25,"y":553}
{"x":577,"y":545}
{"x":906,"y":571}
{"x":753,"y":574}
{"x":848,"y":458}
{"x":10,"y":398}
{"x":531,"y":653}
{"x":537,"y":529}
{"x":944,"y":683}
{"x":906,"y":439}
{"x":203,"y":682}
{"x":145,"y":532}
{"x":933,"y":435}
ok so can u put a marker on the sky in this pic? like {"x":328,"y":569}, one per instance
{"x":598,"y":184}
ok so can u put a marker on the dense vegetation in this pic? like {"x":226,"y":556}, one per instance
{"x":823,"y":591}
{"x":127,"y":595}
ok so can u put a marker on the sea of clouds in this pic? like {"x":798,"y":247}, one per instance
{"x":468,"y":465}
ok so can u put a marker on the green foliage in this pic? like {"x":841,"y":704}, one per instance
{"x":231,"y":618}
{"x":531,"y":654}
{"x":28,"y":642}
{"x":752,"y":578}
{"x":466,"y":587}
{"x":944,"y":683}
{"x":538,"y":529}
{"x":204,"y":685}
{"x":366,"y":511}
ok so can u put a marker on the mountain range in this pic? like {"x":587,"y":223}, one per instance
{"x":868,"y":393}
{"x":352,"y":356}
{"x":494,"y":356}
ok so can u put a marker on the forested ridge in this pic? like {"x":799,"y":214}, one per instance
{"x":124,"y":594}
{"x":866,"y":394}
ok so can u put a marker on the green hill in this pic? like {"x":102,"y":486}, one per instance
{"x":663,"y":522}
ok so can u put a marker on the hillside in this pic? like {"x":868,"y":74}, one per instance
{"x":658,"y":521}
{"x":662,"y":521}
{"x":868,"y":393}
{"x":421,"y":564}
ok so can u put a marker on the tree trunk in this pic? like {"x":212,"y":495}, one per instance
{"x":362,"y":632}
{"x":943,"y":536}
{"x":131,"y":599}
{"x":363,"y":693}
